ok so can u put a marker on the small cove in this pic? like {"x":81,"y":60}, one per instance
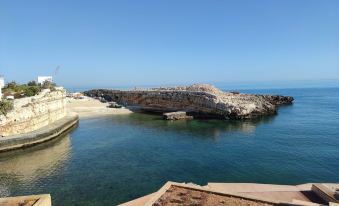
{"x":110,"y":160}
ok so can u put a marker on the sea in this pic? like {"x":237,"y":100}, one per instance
{"x":114,"y":159}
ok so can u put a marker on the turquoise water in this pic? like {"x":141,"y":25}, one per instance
{"x":109,"y":160}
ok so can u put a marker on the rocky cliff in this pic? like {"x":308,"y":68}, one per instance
{"x":199,"y":100}
{"x":32,"y":113}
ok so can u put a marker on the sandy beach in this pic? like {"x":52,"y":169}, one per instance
{"x":89,"y":107}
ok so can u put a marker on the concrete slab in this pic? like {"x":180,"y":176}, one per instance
{"x":31,"y":200}
{"x":38,"y":136}
{"x":139,"y":201}
{"x":251,"y":187}
{"x":284,"y":193}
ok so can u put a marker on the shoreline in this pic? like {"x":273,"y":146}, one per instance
{"x":91,"y":108}
{"x":39,"y":136}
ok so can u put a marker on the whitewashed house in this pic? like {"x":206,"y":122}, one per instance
{"x":2,"y":84}
{"x":42,"y":79}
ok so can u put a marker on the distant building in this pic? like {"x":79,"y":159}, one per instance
{"x":2,"y":84}
{"x":42,"y":79}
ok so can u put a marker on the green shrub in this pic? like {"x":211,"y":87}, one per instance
{"x":5,"y":106}
{"x":31,"y":91}
{"x":48,"y":85}
{"x":12,"y":87}
{"x":32,"y":83}
{"x":26,"y":90}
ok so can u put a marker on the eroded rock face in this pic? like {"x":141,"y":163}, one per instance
{"x":199,"y":100}
{"x":32,"y":113}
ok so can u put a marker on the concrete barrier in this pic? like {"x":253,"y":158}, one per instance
{"x":38,"y":136}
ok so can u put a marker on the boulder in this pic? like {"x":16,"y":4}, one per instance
{"x":176,"y":115}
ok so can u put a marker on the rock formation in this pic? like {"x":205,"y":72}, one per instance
{"x":198,"y":100}
{"x":32,"y":113}
{"x":176,"y":115}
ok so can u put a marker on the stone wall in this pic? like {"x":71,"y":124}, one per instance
{"x":32,"y":113}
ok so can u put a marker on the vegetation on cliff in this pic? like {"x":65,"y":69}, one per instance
{"x":26,"y":90}
{"x":5,"y":106}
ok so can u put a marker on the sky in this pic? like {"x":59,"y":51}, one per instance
{"x":111,"y":43}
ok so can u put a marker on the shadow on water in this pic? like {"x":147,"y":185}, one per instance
{"x":197,"y":128}
{"x":38,"y":146}
{"x":30,"y":164}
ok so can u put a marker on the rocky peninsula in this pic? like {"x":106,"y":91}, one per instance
{"x":198,"y":100}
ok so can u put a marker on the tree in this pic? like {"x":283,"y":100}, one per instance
{"x":32,"y":91}
{"x":32,"y":83}
{"x":12,"y":85}
{"x":48,"y":85}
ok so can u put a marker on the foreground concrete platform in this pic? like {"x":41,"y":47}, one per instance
{"x":31,"y":200}
{"x":38,"y":136}
{"x":230,"y":194}
{"x":285,"y":193}
{"x":270,"y":194}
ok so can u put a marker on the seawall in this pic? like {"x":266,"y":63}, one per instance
{"x":32,"y":113}
{"x":43,"y":134}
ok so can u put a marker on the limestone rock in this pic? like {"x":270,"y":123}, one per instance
{"x":32,"y":113}
{"x":198,"y":100}
{"x":176,"y":115}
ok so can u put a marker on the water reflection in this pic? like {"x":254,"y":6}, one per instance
{"x":198,"y":128}
{"x":31,"y":164}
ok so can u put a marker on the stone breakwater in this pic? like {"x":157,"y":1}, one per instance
{"x":199,"y":100}
{"x":32,"y":113}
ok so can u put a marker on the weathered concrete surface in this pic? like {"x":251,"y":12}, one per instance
{"x":38,"y":136}
{"x":139,"y":201}
{"x":176,"y":115}
{"x":32,"y":113}
{"x":197,"y":100}
{"x":296,"y":195}
{"x":285,"y":193}
{"x":31,"y":200}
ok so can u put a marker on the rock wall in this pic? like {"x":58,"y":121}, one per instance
{"x":197,"y":100}
{"x":32,"y":113}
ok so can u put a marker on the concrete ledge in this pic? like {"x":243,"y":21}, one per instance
{"x":169,"y":184}
{"x":31,"y":200}
{"x":279,"y":195}
{"x":38,"y":136}
{"x":325,"y":193}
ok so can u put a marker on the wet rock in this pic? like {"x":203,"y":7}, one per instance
{"x":176,"y":116}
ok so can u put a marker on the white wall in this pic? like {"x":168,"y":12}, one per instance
{"x":2,"y":84}
{"x":42,"y":79}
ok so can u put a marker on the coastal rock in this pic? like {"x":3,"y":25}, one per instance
{"x":32,"y":113}
{"x":198,"y":100}
{"x":176,"y":115}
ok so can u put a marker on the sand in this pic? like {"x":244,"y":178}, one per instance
{"x":90,"y":107}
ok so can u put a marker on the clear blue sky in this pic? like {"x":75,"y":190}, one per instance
{"x":110,"y":43}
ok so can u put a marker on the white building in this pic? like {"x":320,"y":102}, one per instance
{"x":2,"y":84}
{"x":42,"y":79}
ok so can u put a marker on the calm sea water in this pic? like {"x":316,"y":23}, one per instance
{"x":109,"y":160}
